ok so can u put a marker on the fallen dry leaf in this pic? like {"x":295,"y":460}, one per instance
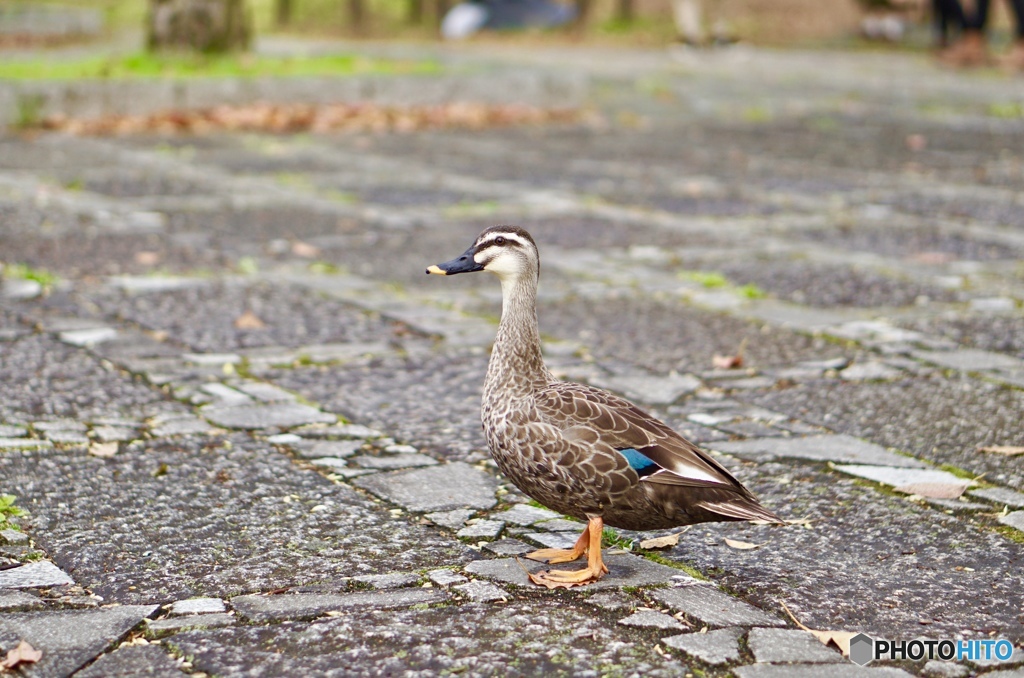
{"x":1008,"y":450}
{"x":249,"y":321}
{"x":146,"y":258}
{"x":726,"y":362}
{"x":661,"y":542}
{"x":916,"y":142}
{"x":103,"y":450}
{"x":22,"y":654}
{"x":841,"y":639}
{"x":935,"y":490}
{"x":305,"y":250}
{"x":554,"y":584}
{"x":741,"y":545}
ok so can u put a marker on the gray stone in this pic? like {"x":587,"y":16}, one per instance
{"x":1015,"y":520}
{"x":400,"y":449}
{"x":328,"y":448}
{"x":524,"y":514}
{"x":21,"y":288}
{"x":958,"y":504}
{"x":212,"y":358}
{"x":67,"y":437}
{"x":453,"y":520}
{"x":553,"y":540}
{"x":651,"y":390}
{"x":935,"y":668}
{"x":623,"y":570}
{"x":789,"y":646}
{"x":710,"y":606}
{"x":299,"y":606}
{"x":167,"y":627}
{"x":445,"y":577}
{"x":651,"y":619}
{"x":339,"y":431}
{"x":179,"y":425}
{"x":69,"y":639}
{"x":748,"y":384}
{"x":714,"y":647}
{"x":993,"y":304}
{"x":393,"y":462}
{"x":435,"y":488}
{"x":482,"y":591}
{"x":13,"y":537}
{"x":1009,"y":673}
{"x":225,"y":395}
{"x":508,"y":547}
{"x":899,"y":477}
{"x":869,"y":371}
{"x":8,"y":431}
{"x":265,"y":392}
{"x":24,"y":444}
{"x":970,"y":360}
{"x":1000,"y":495}
{"x":284,"y":415}
{"x":482,"y":529}
{"x":114,"y":434}
{"x":60,"y":425}
{"x":14,"y":601}
{"x":90,"y":337}
{"x":817,"y":671}
{"x":42,"y":573}
{"x":336,"y":464}
{"x":196,"y":606}
{"x":837,"y":448}
{"x":615,"y":601}
{"x":289,"y":439}
{"x":394,"y":580}
{"x":561,"y":525}
{"x":134,"y":660}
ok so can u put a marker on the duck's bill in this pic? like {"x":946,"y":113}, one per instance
{"x":463,"y":264}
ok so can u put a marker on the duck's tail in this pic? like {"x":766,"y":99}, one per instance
{"x":741,"y":508}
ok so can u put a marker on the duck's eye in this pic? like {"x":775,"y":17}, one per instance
{"x":499,"y":240}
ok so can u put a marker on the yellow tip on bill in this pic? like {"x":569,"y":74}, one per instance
{"x":435,"y":270}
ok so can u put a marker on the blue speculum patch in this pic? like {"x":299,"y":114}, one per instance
{"x":638,"y":461}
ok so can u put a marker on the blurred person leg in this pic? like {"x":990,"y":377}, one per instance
{"x":1015,"y":59}
{"x":688,"y":17}
{"x":971,"y":50}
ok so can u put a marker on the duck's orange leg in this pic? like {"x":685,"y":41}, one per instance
{"x":563,"y":555}
{"x":594,"y":570}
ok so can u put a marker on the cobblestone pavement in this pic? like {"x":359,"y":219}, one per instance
{"x":245,"y":425}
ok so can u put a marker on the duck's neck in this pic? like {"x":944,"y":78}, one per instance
{"x":516,"y":362}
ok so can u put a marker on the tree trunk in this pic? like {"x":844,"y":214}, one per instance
{"x":199,"y":25}
{"x":624,"y":11}
{"x":582,"y":16}
{"x":357,"y":16}
{"x":284,"y":12}
{"x":415,"y":12}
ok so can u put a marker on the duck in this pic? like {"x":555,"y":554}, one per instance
{"x":576,"y":449}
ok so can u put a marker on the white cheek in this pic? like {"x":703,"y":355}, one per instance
{"x":503,"y":265}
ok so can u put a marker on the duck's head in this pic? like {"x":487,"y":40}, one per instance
{"x":509,"y":252}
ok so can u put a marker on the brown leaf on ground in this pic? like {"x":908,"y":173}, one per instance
{"x":249,"y":321}
{"x":741,"y":545}
{"x":147,"y":258}
{"x":22,"y":654}
{"x":935,"y":490}
{"x":305,"y":250}
{"x":103,"y":450}
{"x":841,"y":639}
{"x":661,"y":542}
{"x":337,"y":117}
{"x":554,"y":584}
{"x":726,"y":362}
{"x":1008,"y":450}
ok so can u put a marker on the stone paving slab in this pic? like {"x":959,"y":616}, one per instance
{"x":710,"y":606}
{"x":434,"y":488}
{"x":836,"y":448}
{"x":69,"y":639}
{"x":713,"y":647}
{"x":789,"y":646}
{"x":298,"y":606}
{"x":624,"y":570}
{"x":34,"y":575}
{"x":815,"y":671}
{"x":141,"y":660}
{"x":172,"y":625}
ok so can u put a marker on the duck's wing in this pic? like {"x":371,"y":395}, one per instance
{"x":655,"y":451}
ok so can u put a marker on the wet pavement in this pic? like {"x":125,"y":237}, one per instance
{"x":244,"y":425}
